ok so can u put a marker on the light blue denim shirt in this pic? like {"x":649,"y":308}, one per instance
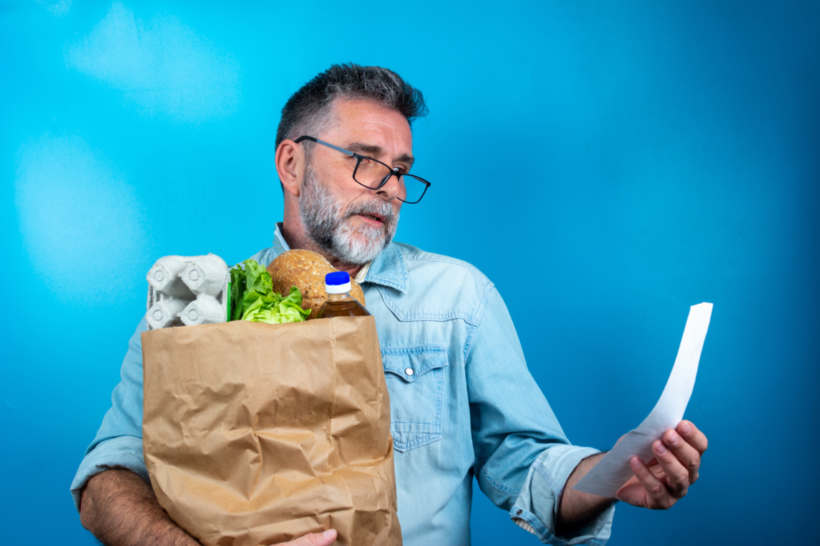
{"x":462,"y":404}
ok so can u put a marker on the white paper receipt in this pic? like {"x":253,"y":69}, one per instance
{"x":613,"y":470}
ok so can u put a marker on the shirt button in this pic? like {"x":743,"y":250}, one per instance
{"x":409,"y":371}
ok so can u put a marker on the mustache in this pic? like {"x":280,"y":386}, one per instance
{"x":381,"y":209}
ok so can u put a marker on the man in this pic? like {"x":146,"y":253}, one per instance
{"x":462,"y":401}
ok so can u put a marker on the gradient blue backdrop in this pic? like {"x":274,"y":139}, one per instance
{"x":606,"y":164}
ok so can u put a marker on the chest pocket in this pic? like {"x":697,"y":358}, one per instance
{"x":415,"y":379}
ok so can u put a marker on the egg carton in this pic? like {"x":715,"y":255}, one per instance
{"x":187,"y":290}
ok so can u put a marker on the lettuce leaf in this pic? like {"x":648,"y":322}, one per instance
{"x":253,"y":297}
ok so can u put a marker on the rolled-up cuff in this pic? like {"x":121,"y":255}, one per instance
{"x":536,"y":508}
{"x":121,"y":452}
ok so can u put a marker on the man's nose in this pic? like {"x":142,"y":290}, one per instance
{"x":393,"y":188}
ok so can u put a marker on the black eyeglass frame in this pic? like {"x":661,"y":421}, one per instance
{"x":394,"y":171}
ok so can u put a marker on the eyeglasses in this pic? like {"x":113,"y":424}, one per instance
{"x":373,"y":174}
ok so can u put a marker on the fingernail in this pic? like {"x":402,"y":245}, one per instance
{"x":686,"y":428}
{"x":672,"y":438}
{"x":330,"y":533}
{"x":659,"y":449}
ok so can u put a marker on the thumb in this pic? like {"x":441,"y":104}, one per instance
{"x":325,"y":538}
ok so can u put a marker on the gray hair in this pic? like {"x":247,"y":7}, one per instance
{"x":307,"y":109}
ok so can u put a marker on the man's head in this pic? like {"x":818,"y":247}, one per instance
{"x":366,"y":110}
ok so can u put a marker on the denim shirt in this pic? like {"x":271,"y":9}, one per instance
{"x":462,"y":404}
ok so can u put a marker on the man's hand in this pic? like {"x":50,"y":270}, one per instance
{"x":659,"y":485}
{"x":325,"y":538}
{"x":668,"y":476}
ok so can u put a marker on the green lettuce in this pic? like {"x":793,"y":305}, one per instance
{"x":253,"y":297}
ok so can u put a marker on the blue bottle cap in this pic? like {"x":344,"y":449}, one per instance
{"x":337,"y":277}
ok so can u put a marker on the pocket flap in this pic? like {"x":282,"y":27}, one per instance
{"x":410,"y":364}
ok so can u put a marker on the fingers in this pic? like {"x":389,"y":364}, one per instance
{"x":677,"y":475}
{"x":691,"y":434}
{"x":325,"y":538}
{"x":658,"y":494}
{"x":686,"y":454}
{"x":676,"y":466}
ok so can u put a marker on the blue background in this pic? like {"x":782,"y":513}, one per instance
{"x":606,"y":164}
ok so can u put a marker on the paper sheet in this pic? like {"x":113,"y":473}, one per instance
{"x":613,"y":470}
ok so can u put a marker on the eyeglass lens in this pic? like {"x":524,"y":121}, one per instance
{"x":371,"y":174}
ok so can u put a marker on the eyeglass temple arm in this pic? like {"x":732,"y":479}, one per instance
{"x":328,"y":144}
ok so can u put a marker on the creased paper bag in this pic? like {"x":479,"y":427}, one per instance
{"x":257,"y":434}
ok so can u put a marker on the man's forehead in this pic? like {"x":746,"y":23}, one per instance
{"x":370,"y":124}
{"x":376,"y":151}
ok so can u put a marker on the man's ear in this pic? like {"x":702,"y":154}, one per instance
{"x":290,"y":165}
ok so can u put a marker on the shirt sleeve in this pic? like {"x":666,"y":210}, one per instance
{"x":523,"y":458}
{"x":118,"y":443}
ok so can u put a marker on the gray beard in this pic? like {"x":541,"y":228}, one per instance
{"x":329,"y":227}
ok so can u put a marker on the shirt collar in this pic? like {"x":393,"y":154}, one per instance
{"x":387,"y":269}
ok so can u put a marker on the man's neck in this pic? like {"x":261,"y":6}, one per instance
{"x":307,"y":243}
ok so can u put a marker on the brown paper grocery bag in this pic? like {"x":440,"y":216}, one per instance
{"x":257,"y":434}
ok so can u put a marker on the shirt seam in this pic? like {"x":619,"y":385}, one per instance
{"x":479,"y":316}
